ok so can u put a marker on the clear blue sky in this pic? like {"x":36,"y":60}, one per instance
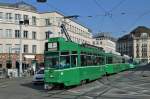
{"x":116,"y":16}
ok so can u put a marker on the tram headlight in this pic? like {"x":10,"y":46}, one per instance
{"x":61,"y":73}
{"x":51,"y":76}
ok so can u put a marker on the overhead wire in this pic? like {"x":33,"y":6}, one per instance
{"x":107,"y":13}
{"x":104,"y":15}
{"x":117,"y":5}
{"x":99,"y":5}
{"x":110,"y":14}
{"x":139,"y":18}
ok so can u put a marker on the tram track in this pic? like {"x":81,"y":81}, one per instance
{"x":105,"y":90}
{"x":111,"y":83}
{"x":52,"y":93}
{"x":106,"y":86}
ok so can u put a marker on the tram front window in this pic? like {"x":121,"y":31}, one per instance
{"x":52,"y":62}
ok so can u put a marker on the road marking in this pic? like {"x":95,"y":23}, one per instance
{"x":3,"y":83}
{"x":4,"y":86}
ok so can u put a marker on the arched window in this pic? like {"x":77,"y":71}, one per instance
{"x":144,"y":35}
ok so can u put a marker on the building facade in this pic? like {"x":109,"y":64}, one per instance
{"x":31,"y":37}
{"x":106,"y":41}
{"x":136,"y":44}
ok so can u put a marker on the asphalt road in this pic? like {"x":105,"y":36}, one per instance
{"x":131,"y":84}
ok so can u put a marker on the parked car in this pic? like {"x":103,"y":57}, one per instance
{"x":39,"y":76}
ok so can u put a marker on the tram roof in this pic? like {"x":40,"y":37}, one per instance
{"x":82,"y":47}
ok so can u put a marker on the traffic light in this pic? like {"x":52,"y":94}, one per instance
{"x":41,"y":1}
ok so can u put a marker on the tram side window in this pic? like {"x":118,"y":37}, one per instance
{"x":64,"y":60}
{"x":101,"y":62}
{"x":97,"y":61}
{"x":74,"y":59}
{"x":109,"y":60}
{"x":89,"y":60}
{"x":123,"y":60}
{"x":117,"y":60}
{"x":83,"y":60}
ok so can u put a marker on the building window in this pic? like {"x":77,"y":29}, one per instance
{"x":101,"y":43}
{"x":34,"y":49}
{"x":1,"y":33}
{"x":25,"y":34}
{"x":97,"y":42}
{"x":8,"y":48}
{"x":47,"y":22}
{"x":33,"y":35}
{"x":17,"y":34}
{"x":25,"y":50}
{"x":8,"y":33}
{"x":47,"y":34}
{"x":1,"y":15}
{"x":144,"y":35}
{"x":93,"y":43}
{"x":1,"y":48}
{"x":17,"y":47}
{"x":25,"y":17}
{"x":33,"y":20}
{"x":8,"y":16}
{"x":17,"y":17}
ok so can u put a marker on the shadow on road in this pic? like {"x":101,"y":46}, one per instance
{"x":142,"y":68}
{"x":39,"y":87}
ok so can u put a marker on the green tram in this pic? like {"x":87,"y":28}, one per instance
{"x":68,"y":63}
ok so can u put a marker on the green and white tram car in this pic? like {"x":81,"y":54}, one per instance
{"x":68,"y":63}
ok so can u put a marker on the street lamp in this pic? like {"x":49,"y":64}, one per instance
{"x":24,"y":22}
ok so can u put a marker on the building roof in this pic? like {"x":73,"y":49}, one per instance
{"x":25,"y":6}
{"x":74,"y":20}
{"x":20,"y":5}
{"x":125,"y":37}
{"x":105,"y":35}
{"x":135,"y":33}
{"x":140,"y":29}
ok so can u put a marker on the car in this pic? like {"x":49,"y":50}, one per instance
{"x":38,"y":77}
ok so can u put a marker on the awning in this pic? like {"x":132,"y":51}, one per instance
{"x":29,"y":56}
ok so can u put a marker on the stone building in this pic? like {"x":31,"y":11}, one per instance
{"x":106,"y":41}
{"x":33,"y":35}
{"x":136,"y":44}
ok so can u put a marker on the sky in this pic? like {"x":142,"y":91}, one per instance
{"x":119,"y":17}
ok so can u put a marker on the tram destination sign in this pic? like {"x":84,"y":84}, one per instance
{"x":52,"y":46}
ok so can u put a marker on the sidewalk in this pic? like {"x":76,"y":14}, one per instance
{"x":17,"y":78}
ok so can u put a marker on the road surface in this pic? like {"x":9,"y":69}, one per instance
{"x":131,"y":84}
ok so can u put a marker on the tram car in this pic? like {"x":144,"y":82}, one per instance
{"x":68,"y":63}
